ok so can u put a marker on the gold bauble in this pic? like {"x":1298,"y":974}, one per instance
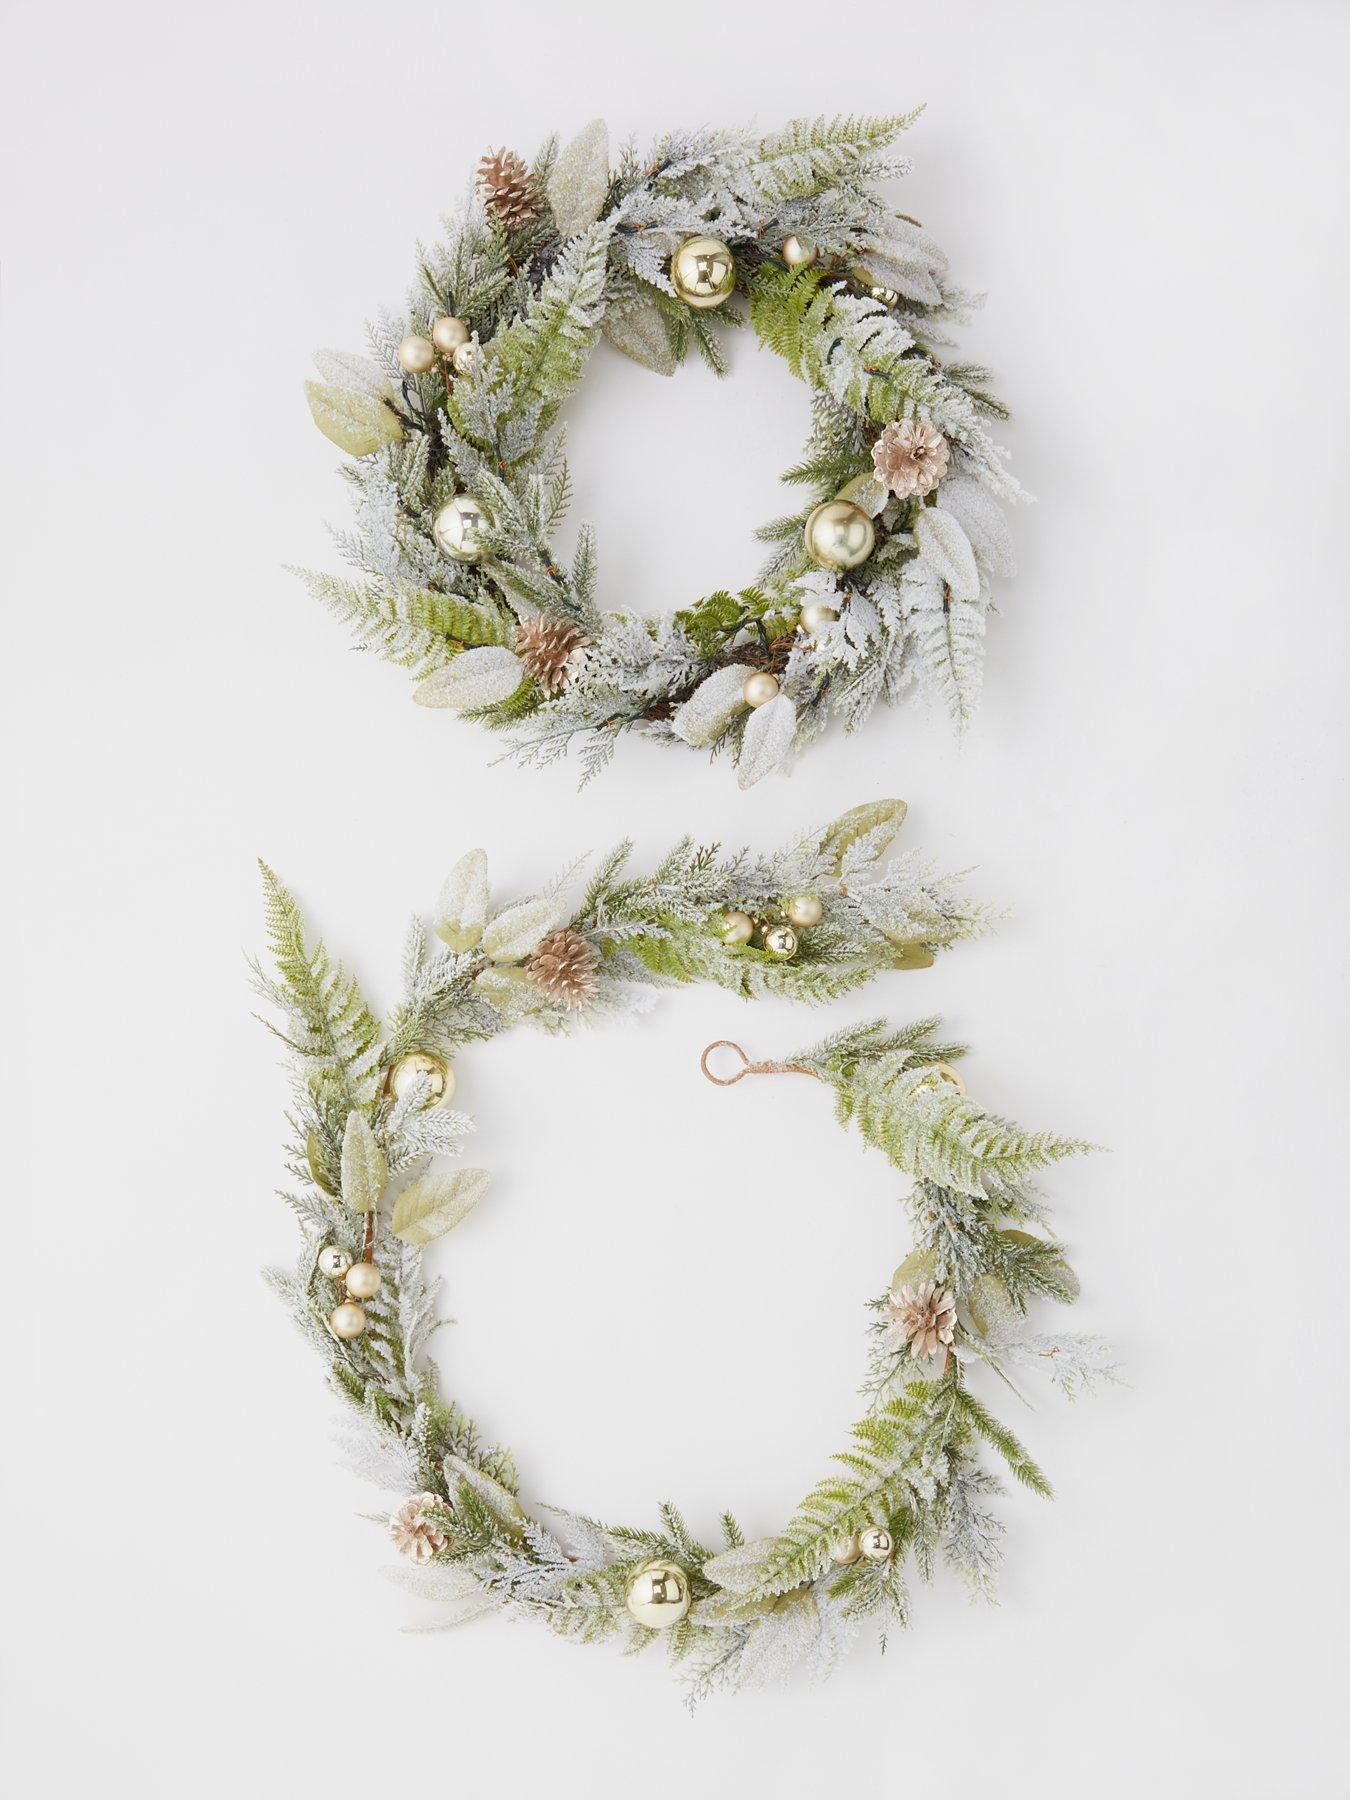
{"x":839,"y":535}
{"x":845,"y":1550}
{"x":334,"y":1261}
{"x":876,"y":1543}
{"x":449,"y":333}
{"x":759,"y":688}
{"x":658,"y":1595}
{"x":737,"y":928}
{"x":703,"y":272}
{"x":796,"y":254}
{"x":937,"y":1076}
{"x":815,"y":616}
{"x":417,"y":354}
{"x":347,"y":1320}
{"x":458,"y":528}
{"x":465,"y":358}
{"x":805,"y":909}
{"x":405,"y":1071}
{"x":780,"y":940}
{"x":363,"y":1281}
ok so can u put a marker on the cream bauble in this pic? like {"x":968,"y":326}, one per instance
{"x":658,"y":1595}
{"x":796,"y":254}
{"x":405,"y":1071}
{"x":845,"y":1550}
{"x":737,"y":928}
{"x":815,"y":616}
{"x":347,"y":1320}
{"x":805,"y":909}
{"x":363,"y":1281}
{"x":876,"y":1544}
{"x":334,"y":1261}
{"x":458,"y":528}
{"x":759,"y":688}
{"x":839,"y":535}
{"x":781,"y":941}
{"x":703,"y":272}
{"x":938,"y":1076}
{"x":417,"y":354}
{"x":464,"y":358}
{"x":449,"y":333}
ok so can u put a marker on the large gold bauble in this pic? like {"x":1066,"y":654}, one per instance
{"x":737,"y":928}
{"x":347,"y":1320}
{"x":417,"y":354}
{"x":759,"y":688}
{"x":796,"y":254}
{"x":839,"y":535}
{"x":876,"y":1543}
{"x":815,"y":616}
{"x":405,"y":1071}
{"x":781,"y":940}
{"x":363,"y":1281}
{"x":449,"y":333}
{"x":805,"y":909}
{"x":334,"y":1261}
{"x":658,"y":1595}
{"x":938,"y":1076}
{"x":703,"y":272}
{"x":458,"y":528}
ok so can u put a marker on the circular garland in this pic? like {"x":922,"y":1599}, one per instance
{"x":371,"y":1108}
{"x":459,"y":482}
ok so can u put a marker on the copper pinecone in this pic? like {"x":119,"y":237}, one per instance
{"x":564,"y":967}
{"x":546,"y":646}
{"x":924,"y":1317}
{"x":508,"y":189}
{"x":911,"y":458}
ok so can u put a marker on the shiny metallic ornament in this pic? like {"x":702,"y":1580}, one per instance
{"x":759,"y":688}
{"x":417,"y":354}
{"x":737,"y":928}
{"x":845,"y":1550}
{"x":815,"y":616}
{"x":874,"y":289}
{"x":465,"y":358}
{"x":658,"y":1595}
{"x":347,"y":1320}
{"x":458,"y":528}
{"x":449,"y":333}
{"x":937,"y":1076}
{"x":363,"y":1281}
{"x":805,"y":909}
{"x":839,"y":535}
{"x":334,"y":1261}
{"x":876,"y":1544}
{"x":781,"y":940}
{"x":703,"y":272}
{"x":796,"y":254}
{"x":405,"y":1071}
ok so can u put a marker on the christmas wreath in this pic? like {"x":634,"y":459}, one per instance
{"x":371,"y":1115}
{"x":459,"y":481}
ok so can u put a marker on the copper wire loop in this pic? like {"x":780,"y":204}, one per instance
{"x":747,"y":1067}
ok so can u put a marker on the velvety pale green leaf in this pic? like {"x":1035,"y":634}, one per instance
{"x":637,"y":327}
{"x":364,"y":1170}
{"x":475,"y":678}
{"x":982,"y":519}
{"x":357,"y":423}
{"x":711,"y":707}
{"x":878,"y":820}
{"x":768,"y":740}
{"x":917,"y":1268}
{"x":518,"y":930}
{"x":341,"y":369}
{"x":461,"y":910}
{"x":737,"y":1570}
{"x":579,"y":183}
{"x":946,"y":550}
{"x":436,"y":1203}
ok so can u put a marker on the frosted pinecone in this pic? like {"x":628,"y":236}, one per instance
{"x":550,"y":649}
{"x":564,"y":967}
{"x":413,"y":1533}
{"x":508,"y":190}
{"x":924,"y":1317}
{"x":911,"y":458}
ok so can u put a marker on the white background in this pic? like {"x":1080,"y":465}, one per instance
{"x":663,"y":1295}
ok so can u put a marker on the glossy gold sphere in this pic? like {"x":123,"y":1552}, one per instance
{"x":449,"y":333}
{"x":876,"y":1543}
{"x":796,"y":254}
{"x":334,"y":1261}
{"x":405,"y":1071}
{"x":759,"y":688}
{"x":815,"y":616}
{"x":845,"y":1550}
{"x":347,"y":1320}
{"x":781,"y":940}
{"x":417,"y":354}
{"x":703,"y":272}
{"x":938,"y":1076}
{"x":458,"y":528}
{"x":805,"y":909}
{"x":363,"y":1281}
{"x":465,"y":357}
{"x":839,"y":535}
{"x":658,"y":1595}
{"x":737,"y":928}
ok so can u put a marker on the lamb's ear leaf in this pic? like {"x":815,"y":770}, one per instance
{"x":428,"y":1208}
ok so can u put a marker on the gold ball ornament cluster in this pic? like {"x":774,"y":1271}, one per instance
{"x":459,"y":525}
{"x":780,"y":937}
{"x":658,"y":1594}
{"x":703,"y":272}
{"x":417,"y":1063}
{"x":839,"y":535}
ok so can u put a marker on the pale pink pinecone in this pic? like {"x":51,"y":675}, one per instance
{"x":924,"y":1317}
{"x":911,"y":458}
{"x":413,"y":1533}
{"x":564,"y":967}
{"x":550,"y":649}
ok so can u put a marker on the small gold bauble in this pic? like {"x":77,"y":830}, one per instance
{"x":458,"y":528}
{"x":815,"y":616}
{"x":845,"y":1550}
{"x":937,"y":1076}
{"x":464,"y":358}
{"x":363,"y":1281}
{"x":839,"y":535}
{"x":805,"y":909}
{"x":347,"y":1320}
{"x":658,"y":1595}
{"x":737,"y":928}
{"x":780,"y":940}
{"x":334,"y":1261}
{"x":449,"y":333}
{"x":885,"y":296}
{"x":417,"y":354}
{"x":703,"y":272}
{"x":796,"y":254}
{"x":759,"y":688}
{"x":405,"y":1071}
{"x":876,"y":1543}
